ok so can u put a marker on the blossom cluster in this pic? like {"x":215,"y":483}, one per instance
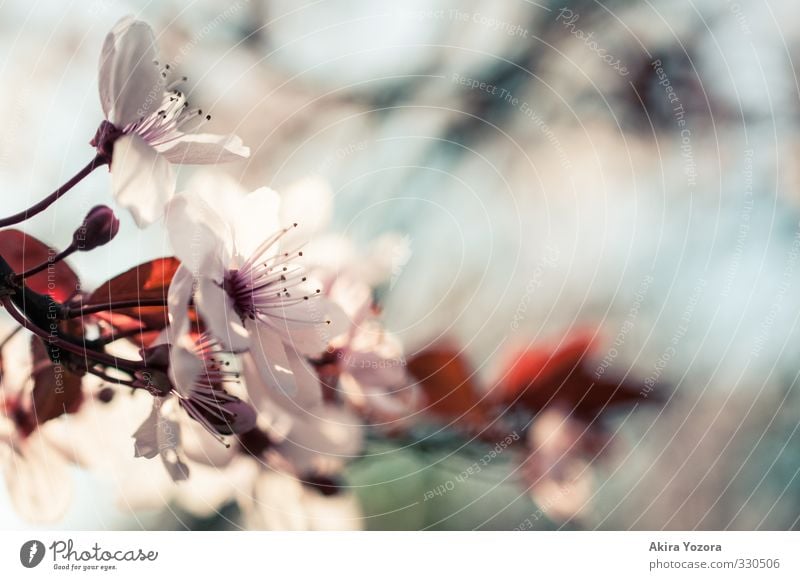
{"x":247,"y":366}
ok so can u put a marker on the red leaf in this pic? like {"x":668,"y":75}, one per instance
{"x":23,"y":252}
{"x":565,"y":377}
{"x":145,"y":282}
{"x":449,"y":386}
{"x":56,"y":390}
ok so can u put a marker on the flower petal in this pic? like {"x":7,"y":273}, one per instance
{"x":205,"y":148}
{"x":216,"y":308}
{"x":200,"y":239}
{"x":158,"y":435}
{"x":141,"y":179}
{"x":184,"y":366}
{"x":145,"y":439}
{"x":220,"y":192}
{"x":281,"y":376}
{"x":180,"y":294}
{"x":130,"y":84}
{"x":309,"y":326}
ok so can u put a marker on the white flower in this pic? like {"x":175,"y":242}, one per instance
{"x":282,"y":473}
{"x":250,"y":292}
{"x":149,"y":123}
{"x":196,"y":382}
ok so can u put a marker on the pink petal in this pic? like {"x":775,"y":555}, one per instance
{"x":281,"y":376}
{"x":206,"y":148}
{"x":216,"y":308}
{"x":184,"y":366}
{"x":130,"y":84}
{"x":180,"y":293}
{"x":198,"y":235}
{"x":309,"y":327}
{"x":141,"y":179}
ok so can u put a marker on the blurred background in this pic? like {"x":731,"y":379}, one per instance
{"x":553,"y":166}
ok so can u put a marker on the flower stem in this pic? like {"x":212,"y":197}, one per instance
{"x":15,"y":278}
{"x":54,"y":340}
{"x":75,"y":312}
{"x":53,"y":197}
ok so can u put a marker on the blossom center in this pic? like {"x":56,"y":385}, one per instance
{"x":169,"y":122}
{"x":267,"y":283}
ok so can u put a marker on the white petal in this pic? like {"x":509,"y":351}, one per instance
{"x":158,"y":435}
{"x":219,"y":191}
{"x":145,"y":439}
{"x":309,"y":326}
{"x":216,"y":308}
{"x":176,"y":468}
{"x":252,"y":216}
{"x":200,"y":239}
{"x":275,"y":419}
{"x":141,"y":179}
{"x":202,"y":447}
{"x":205,"y":148}
{"x":184,"y":366}
{"x":180,"y":293}
{"x":282,"y":377}
{"x":131,"y":85}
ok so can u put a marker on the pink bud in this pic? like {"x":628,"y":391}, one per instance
{"x":99,"y":227}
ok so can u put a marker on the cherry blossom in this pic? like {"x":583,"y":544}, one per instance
{"x":251,"y":292}
{"x":149,"y":123}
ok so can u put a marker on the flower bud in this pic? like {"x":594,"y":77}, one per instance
{"x":99,"y":227}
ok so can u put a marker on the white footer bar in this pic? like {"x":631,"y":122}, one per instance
{"x":388,"y":555}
